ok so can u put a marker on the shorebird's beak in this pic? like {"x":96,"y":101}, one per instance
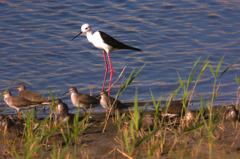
{"x":65,"y":92}
{"x":13,"y":89}
{"x":98,"y":97}
{"x":77,"y":35}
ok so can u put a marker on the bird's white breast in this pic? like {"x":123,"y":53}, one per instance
{"x":104,"y":102}
{"x":98,"y":42}
{"x":74,"y":99}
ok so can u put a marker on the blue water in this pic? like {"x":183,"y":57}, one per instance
{"x":36,"y":46}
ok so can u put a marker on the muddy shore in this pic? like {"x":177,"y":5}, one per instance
{"x":179,"y":142}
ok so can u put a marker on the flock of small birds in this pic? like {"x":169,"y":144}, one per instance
{"x":27,"y":99}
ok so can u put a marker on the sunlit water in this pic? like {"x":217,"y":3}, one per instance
{"x":36,"y":46}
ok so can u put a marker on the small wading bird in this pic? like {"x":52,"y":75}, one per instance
{"x":192,"y":115}
{"x":231,"y":113}
{"x":80,"y":100}
{"x":175,"y":109}
{"x":32,"y":96}
{"x":19,"y":103}
{"x":106,"y":102}
{"x":62,"y":111}
{"x":106,"y":43}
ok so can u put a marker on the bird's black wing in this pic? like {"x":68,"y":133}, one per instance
{"x":114,"y":43}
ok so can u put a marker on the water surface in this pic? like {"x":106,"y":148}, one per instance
{"x":36,"y":46}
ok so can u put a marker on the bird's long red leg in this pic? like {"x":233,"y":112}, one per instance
{"x":110,"y":81}
{"x":106,"y":70}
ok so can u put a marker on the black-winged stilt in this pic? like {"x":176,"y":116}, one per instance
{"x":105,"y":42}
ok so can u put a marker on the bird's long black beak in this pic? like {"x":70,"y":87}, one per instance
{"x":77,"y":35}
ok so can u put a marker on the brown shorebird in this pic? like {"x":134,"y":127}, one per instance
{"x":7,"y":123}
{"x":194,"y":114}
{"x":190,"y":116}
{"x":106,"y":102}
{"x":32,"y":96}
{"x":231,"y":113}
{"x":175,"y":109}
{"x":19,"y":103}
{"x":147,"y":122}
{"x":80,"y":100}
{"x":106,"y":43}
{"x":62,"y":111}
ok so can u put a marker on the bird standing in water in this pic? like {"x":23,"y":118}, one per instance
{"x":106,"y":43}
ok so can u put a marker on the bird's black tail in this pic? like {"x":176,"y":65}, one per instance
{"x":130,"y":48}
{"x":133,"y":48}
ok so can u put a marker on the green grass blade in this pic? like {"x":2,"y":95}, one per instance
{"x":146,"y":138}
{"x":193,"y":72}
{"x":210,"y":67}
{"x":181,"y":82}
{"x":237,"y":79}
{"x":228,"y":68}
{"x":136,"y":111}
{"x":125,"y":135}
{"x":218,"y":66}
{"x":156,"y":105}
{"x":129,"y":80}
{"x":51,"y":95}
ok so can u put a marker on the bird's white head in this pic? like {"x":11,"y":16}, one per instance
{"x":85,"y":28}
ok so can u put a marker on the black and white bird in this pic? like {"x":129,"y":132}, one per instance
{"x":106,"y":43}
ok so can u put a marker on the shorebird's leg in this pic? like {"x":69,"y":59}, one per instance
{"x":85,"y":113}
{"x":44,"y":108}
{"x":110,"y":81}
{"x":106,"y":70}
{"x":19,"y":115}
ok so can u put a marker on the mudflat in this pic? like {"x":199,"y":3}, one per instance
{"x":116,"y":138}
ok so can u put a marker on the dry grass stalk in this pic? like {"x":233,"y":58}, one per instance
{"x":111,"y":107}
{"x":116,"y":79}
